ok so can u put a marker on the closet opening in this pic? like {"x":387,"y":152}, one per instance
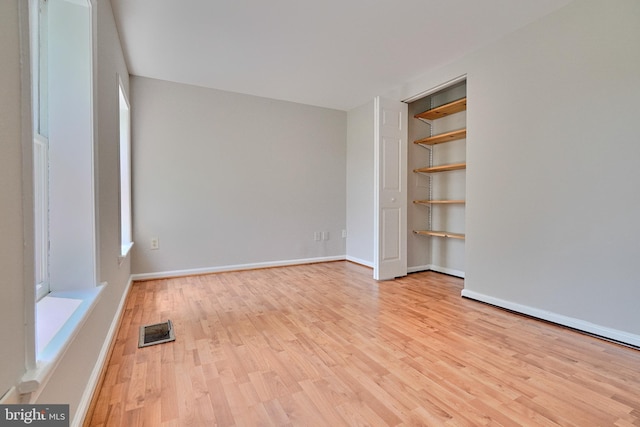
{"x":437,"y":180}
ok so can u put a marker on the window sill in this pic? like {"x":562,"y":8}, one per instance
{"x":60,"y":315}
{"x":124,"y":252}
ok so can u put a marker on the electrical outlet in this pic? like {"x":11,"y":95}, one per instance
{"x":317,"y":236}
{"x":344,"y":234}
{"x":325,"y":235}
{"x":155,"y":243}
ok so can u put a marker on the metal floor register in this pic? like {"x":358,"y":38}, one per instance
{"x":156,"y":334}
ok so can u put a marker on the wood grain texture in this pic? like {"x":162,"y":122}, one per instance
{"x":326,"y":345}
{"x":444,"y":110}
{"x":439,"y":202}
{"x":443,"y":168}
{"x":440,"y":233}
{"x":443,"y":137}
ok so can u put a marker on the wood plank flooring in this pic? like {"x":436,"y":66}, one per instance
{"x":326,"y":345}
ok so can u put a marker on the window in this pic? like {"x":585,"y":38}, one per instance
{"x":65,"y":252}
{"x":61,"y":42}
{"x":39,"y":53}
{"x":125,"y":173}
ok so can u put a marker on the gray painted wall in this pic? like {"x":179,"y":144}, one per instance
{"x":360,"y":180}
{"x":225,"y":179}
{"x":552,"y":177}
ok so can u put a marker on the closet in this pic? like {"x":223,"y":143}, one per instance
{"x":436,"y":181}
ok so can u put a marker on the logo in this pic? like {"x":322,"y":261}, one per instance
{"x":34,"y":415}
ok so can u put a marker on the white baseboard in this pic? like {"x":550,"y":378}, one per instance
{"x":10,"y":397}
{"x":449,"y":271}
{"x":89,"y":390}
{"x":418,"y":268}
{"x":436,"y":268}
{"x":360,"y":261}
{"x":581,"y":325}
{"x":237,"y":267}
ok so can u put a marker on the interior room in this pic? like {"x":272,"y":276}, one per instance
{"x":435,"y":174}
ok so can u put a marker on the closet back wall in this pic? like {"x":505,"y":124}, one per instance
{"x":224,"y":179}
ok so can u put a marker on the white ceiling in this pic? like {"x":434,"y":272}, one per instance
{"x":330,"y":53}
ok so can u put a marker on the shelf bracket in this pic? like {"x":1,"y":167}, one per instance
{"x":428,"y":147}
{"x":423,"y":120}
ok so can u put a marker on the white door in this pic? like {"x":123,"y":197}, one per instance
{"x":390,"y":241}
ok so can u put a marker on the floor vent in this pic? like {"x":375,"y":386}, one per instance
{"x":156,"y":334}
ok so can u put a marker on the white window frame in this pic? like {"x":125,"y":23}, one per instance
{"x":64,"y":126}
{"x":41,"y":214}
{"x":126,"y":239}
{"x":39,"y":58}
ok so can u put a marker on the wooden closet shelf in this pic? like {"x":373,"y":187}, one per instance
{"x":440,"y":234}
{"x":438,"y":202}
{"x":443,"y":137}
{"x":444,"y":110}
{"x":443,"y":168}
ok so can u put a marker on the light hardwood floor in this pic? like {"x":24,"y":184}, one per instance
{"x":326,"y":345}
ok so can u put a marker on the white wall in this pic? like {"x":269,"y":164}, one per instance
{"x":552,"y":178}
{"x":12,"y":334}
{"x":418,"y":247}
{"x":360,"y":188}
{"x":224,"y":179}
{"x":71,"y":225}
